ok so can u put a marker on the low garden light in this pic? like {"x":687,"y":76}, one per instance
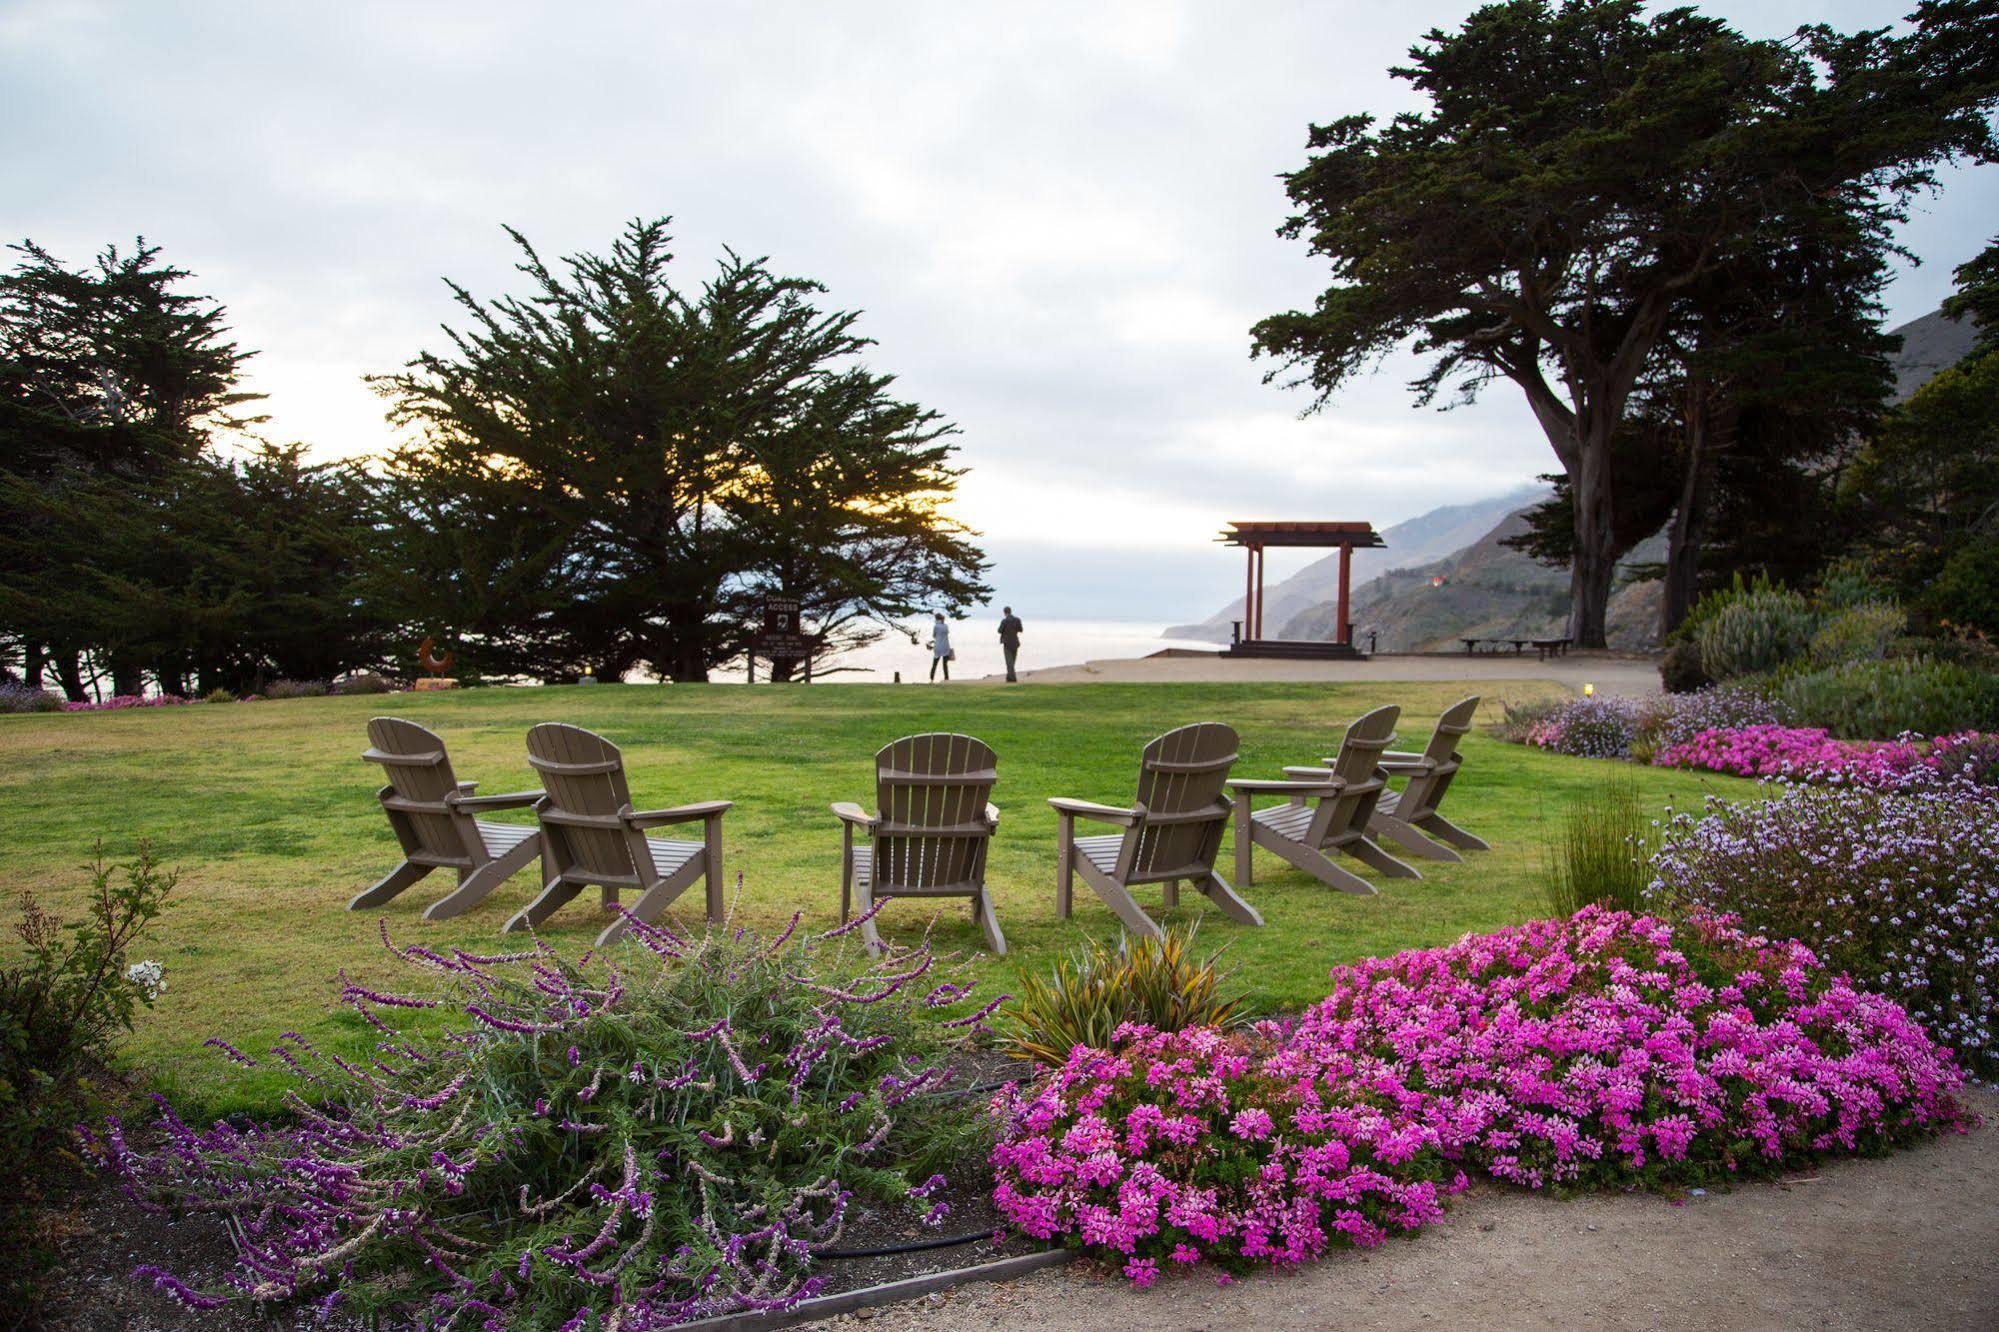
{"x":1589,"y":691}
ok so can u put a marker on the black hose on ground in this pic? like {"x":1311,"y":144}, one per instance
{"x":914,"y":1246}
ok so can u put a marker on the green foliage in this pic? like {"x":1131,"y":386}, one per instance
{"x":1680,"y":669}
{"x":1089,"y":993}
{"x":1602,"y":853}
{"x":1878,"y":700}
{"x":1580,"y":167}
{"x":615,"y":471}
{"x":1859,"y":633}
{"x":281,"y":689}
{"x":1965,"y":593}
{"x":364,"y":682}
{"x":1518,"y":718}
{"x":218,"y":696}
{"x":1754,"y":632}
{"x":64,"y":1002}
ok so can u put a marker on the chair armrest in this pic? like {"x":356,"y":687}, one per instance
{"x":512,"y":800}
{"x":849,"y":812}
{"x":467,"y":788}
{"x":1307,"y":773}
{"x":1399,"y":764}
{"x":1400,"y":755}
{"x":654,"y":818}
{"x":1263,"y":786}
{"x":1084,"y":809}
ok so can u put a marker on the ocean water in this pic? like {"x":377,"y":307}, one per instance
{"x":976,"y":641}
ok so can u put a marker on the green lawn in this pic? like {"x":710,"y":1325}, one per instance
{"x":269,"y":814}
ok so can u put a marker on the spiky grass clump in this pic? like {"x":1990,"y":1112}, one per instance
{"x":1601,"y":855}
{"x":1086,"y":996}
{"x":629,"y":1141}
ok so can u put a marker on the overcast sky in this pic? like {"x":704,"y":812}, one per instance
{"x":1059,"y":220}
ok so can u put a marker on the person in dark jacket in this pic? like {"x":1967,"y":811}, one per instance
{"x":1009,"y":634}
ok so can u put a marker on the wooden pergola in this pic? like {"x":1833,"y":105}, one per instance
{"x":1255,"y":538}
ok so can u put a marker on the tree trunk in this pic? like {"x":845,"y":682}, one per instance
{"x":33,"y":657}
{"x":69,"y":672}
{"x":1689,"y":527}
{"x":1595,"y":552}
{"x":126,"y":677}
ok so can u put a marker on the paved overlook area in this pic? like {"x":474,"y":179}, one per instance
{"x":1611,"y":673}
{"x":1909,"y":1241}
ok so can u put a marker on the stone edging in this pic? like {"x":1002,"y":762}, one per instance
{"x":893,"y":1292}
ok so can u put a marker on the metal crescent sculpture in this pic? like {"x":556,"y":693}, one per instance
{"x":434,"y":665}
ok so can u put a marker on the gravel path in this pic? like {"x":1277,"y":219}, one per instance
{"x":1612,"y":673}
{"x":1906,"y":1241}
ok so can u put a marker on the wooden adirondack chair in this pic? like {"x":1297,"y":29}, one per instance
{"x":1172,"y":831}
{"x":929,"y":838}
{"x":592,"y":837}
{"x":1328,"y":810}
{"x":1407,"y":814}
{"x":435,"y":818}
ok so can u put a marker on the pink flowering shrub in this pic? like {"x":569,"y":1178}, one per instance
{"x":120,"y":702}
{"x":1810,"y":754}
{"x":1609,"y":1049}
{"x":1191,"y":1146}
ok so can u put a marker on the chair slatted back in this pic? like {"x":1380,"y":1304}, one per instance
{"x":1426,"y":790}
{"x":930,"y":795}
{"x":419,"y":779}
{"x":584,"y":776}
{"x":1344,"y":817}
{"x":1182,"y":782}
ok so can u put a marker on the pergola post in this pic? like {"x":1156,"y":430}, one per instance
{"x":1259,"y":592}
{"x":1344,"y":633}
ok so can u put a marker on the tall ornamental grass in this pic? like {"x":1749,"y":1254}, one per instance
{"x":633,"y":1140}
{"x":1598,"y":856}
{"x":1899,"y":889}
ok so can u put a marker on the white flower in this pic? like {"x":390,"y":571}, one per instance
{"x":150,"y":977}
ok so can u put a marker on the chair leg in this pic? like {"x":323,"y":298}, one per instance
{"x":1367,"y":853}
{"x":711,"y":857}
{"x":1245,"y":841}
{"x":982,"y":911}
{"x":1218,"y":891}
{"x":651,"y":904}
{"x":1409,"y":839}
{"x":864,"y":902}
{"x":1065,"y":868}
{"x":1169,"y":894}
{"x":1443,"y":829}
{"x":1118,"y":898}
{"x":472,"y":889}
{"x":397,"y":879}
{"x":551,"y":899}
{"x":1314,"y":862}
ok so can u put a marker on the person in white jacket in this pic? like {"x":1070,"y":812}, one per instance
{"x":940,"y":647}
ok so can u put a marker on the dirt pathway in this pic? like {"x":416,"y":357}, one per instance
{"x":1611,"y":673}
{"x":1907,"y":1241}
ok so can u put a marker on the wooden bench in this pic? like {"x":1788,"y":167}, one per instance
{"x":1544,"y":648}
{"x":1551,"y":647}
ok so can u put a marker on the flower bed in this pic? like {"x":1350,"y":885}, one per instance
{"x":1898,"y":888}
{"x":1809,"y":754}
{"x":1599,"y":727}
{"x":1609,"y":1049}
{"x":633,"y":1141}
{"x":120,"y":702}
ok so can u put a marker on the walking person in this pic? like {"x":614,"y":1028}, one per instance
{"x":940,"y":648}
{"x":1009,"y":634}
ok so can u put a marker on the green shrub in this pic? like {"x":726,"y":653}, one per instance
{"x":1756,"y":632}
{"x":364,"y":682}
{"x":1848,"y":583}
{"x":1965,"y":592}
{"x":296,"y":689}
{"x":218,"y":696}
{"x":1601,"y":854}
{"x":64,"y":1002}
{"x":1680,"y":669}
{"x":1517,"y":720}
{"x":1086,"y":996}
{"x":1878,"y":700}
{"x":20,"y":698}
{"x":1857,"y":633}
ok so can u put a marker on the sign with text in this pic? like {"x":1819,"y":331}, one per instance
{"x":783,"y":637}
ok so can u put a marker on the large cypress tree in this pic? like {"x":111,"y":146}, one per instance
{"x":1579,"y":171}
{"x":610,"y":472}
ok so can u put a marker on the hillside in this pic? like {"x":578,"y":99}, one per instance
{"x":1486,"y":590}
{"x":1419,"y":541}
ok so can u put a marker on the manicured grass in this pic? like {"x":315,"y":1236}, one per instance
{"x":269,"y":815}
